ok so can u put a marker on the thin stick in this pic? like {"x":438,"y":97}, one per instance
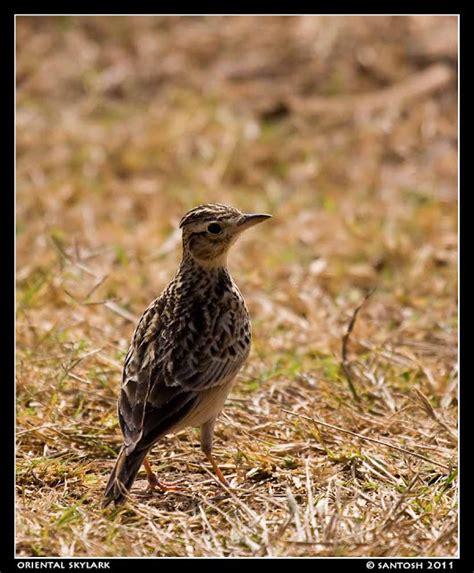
{"x":317,"y":421}
{"x":418,"y":85}
{"x":345,"y":341}
{"x":428,"y":408}
{"x":111,"y":305}
{"x":96,"y":286}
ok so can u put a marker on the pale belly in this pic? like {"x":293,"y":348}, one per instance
{"x":208,"y":406}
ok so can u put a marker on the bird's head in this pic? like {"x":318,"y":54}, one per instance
{"x":210,"y":230}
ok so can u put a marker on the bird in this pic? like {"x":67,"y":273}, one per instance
{"x":186,"y":350}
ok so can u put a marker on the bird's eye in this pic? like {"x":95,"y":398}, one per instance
{"x":214,"y":228}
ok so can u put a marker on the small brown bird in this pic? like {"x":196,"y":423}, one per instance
{"x":186,"y":350}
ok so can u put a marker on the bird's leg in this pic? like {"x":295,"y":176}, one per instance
{"x":153,"y":481}
{"x":217,"y":469}
{"x":207,"y":434}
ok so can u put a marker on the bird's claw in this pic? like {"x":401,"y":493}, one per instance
{"x":154,"y":482}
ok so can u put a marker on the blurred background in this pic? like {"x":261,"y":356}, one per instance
{"x":124,"y":123}
{"x":344,"y":128}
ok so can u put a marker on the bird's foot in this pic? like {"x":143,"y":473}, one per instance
{"x":154,"y":482}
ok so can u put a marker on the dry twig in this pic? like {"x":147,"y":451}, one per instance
{"x":317,"y":421}
{"x":421,"y":84}
{"x":345,"y":341}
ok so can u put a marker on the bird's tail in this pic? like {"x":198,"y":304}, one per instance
{"x":122,"y":477}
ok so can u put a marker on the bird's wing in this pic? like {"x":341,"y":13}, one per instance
{"x":173,"y":357}
{"x":143,"y":418}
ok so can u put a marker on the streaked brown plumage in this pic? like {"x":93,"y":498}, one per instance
{"x":187,"y":347}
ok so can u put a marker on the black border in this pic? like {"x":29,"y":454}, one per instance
{"x":7,"y":511}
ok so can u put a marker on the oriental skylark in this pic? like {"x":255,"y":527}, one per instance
{"x":186,"y":350}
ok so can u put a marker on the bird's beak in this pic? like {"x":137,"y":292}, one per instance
{"x":252,"y":219}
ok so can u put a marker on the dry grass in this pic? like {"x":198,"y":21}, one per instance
{"x":125,"y":123}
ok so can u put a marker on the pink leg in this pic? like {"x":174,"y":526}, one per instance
{"x":153,"y":481}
